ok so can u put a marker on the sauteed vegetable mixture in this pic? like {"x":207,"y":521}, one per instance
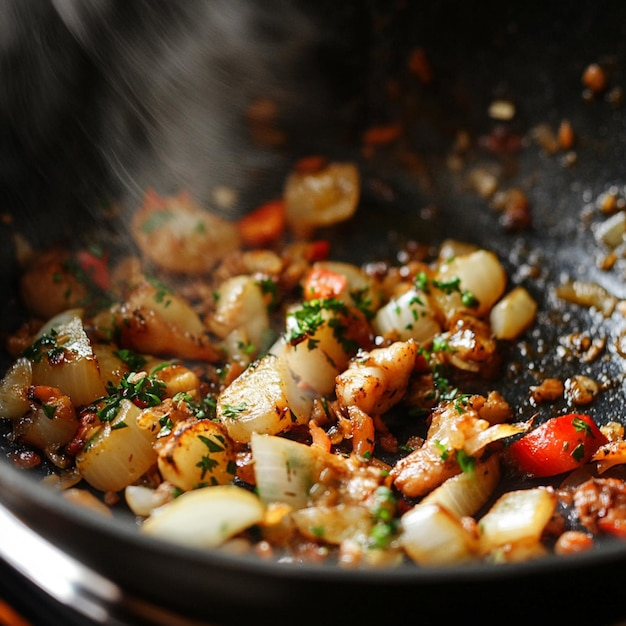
{"x":235,"y":386}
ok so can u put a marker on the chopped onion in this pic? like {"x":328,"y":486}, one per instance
{"x":120,"y":452}
{"x":206,"y":517}
{"x":143,"y":500}
{"x":432,"y":535}
{"x":517,"y":517}
{"x":513,"y":314}
{"x":588,"y":294}
{"x":467,"y":492}
{"x":76,"y":373}
{"x":409,"y":316}
{"x":263,"y":399}
{"x":482,"y":439}
{"x":284,"y":470}
{"x":610,"y":454}
{"x":320,"y":357}
{"x":14,"y":388}
{"x":334,"y":524}
{"x":321,"y":198}
{"x":480,"y":274}
{"x":240,"y":305}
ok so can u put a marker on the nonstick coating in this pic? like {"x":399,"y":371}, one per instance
{"x":532,"y":54}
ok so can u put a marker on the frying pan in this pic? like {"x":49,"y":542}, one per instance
{"x":337,"y":71}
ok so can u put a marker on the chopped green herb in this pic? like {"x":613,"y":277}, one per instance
{"x":578,"y":454}
{"x":581,"y":426}
{"x":49,"y":410}
{"x":232,"y":412}
{"x":466,"y":462}
{"x":140,"y":388}
{"x":134,"y":361}
{"x":444,"y":451}
{"x":156,"y":220}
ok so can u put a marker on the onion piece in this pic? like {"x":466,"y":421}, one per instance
{"x":334,"y":524}
{"x":513,"y":314}
{"x":206,"y":517}
{"x":321,"y":198}
{"x":69,"y":362}
{"x":240,"y":305}
{"x":320,"y":356}
{"x":285,"y":470}
{"x":467,"y":492}
{"x":408,"y":316}
{"x":610,"y":454}
{"x":14,"y":389}
{"x":432,"y":535}
{"x":264,"y":398}
{"x":588,"y":294}
{"x":120,"y":452}
{"x":143,"y":500}
{"x":517,"y":517}
{"x":482,"y":439}
{"x":479,"y":273}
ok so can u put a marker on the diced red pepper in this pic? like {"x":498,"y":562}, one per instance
{"x":559,"y":445}
{"x":321,"y":282}
{"x":264,"y":225}
{"x":317,"y":250}
{"x":96,"y":267}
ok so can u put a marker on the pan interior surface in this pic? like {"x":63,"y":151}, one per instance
{"x":421,"y":189}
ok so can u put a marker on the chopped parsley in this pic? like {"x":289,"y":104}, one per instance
{"x":134,"y":361}
{"x":384,"y":523}
{"x":232,"y":412}
{"x":49,"y":344}
{"x":140,"y":388}
{"x":49,"y":410}
{"x":309,"y":318}
{"x":466,"y":462}
{"x":581,"y":426}
{"x":578,"y":454}
{"x":156,"y":220}
{"x":450,"y":286}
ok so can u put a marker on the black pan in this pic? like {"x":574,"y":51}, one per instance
{"x":335,"y":71}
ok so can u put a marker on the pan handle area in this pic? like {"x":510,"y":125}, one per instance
{"x":72,"y":584}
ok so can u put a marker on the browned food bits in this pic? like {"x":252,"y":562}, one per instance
{"x":594,"y":78}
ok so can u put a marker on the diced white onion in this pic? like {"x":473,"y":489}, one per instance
{"x":121,"y":452}
{"x":480,"y":273}
{"x":478,"y":442}
{"x":206,"y":517}
{"x":409,"y":316}
{"x":263,"y":399}
{"x":610,"y":454}
{"x":433,"y":536}
{"x":513,"y":314}
{"x":319,"y":358}
{"x":13,"y":389}
{"x":321,"y":198}
{"x":77,"y":374}
{"x":517,"y":516}
{"x":334,"y":524}
{"x":240,"y":305}
{"x":284,"y":470}
{"x":465,"y":493}
{"x":143,"y":500}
